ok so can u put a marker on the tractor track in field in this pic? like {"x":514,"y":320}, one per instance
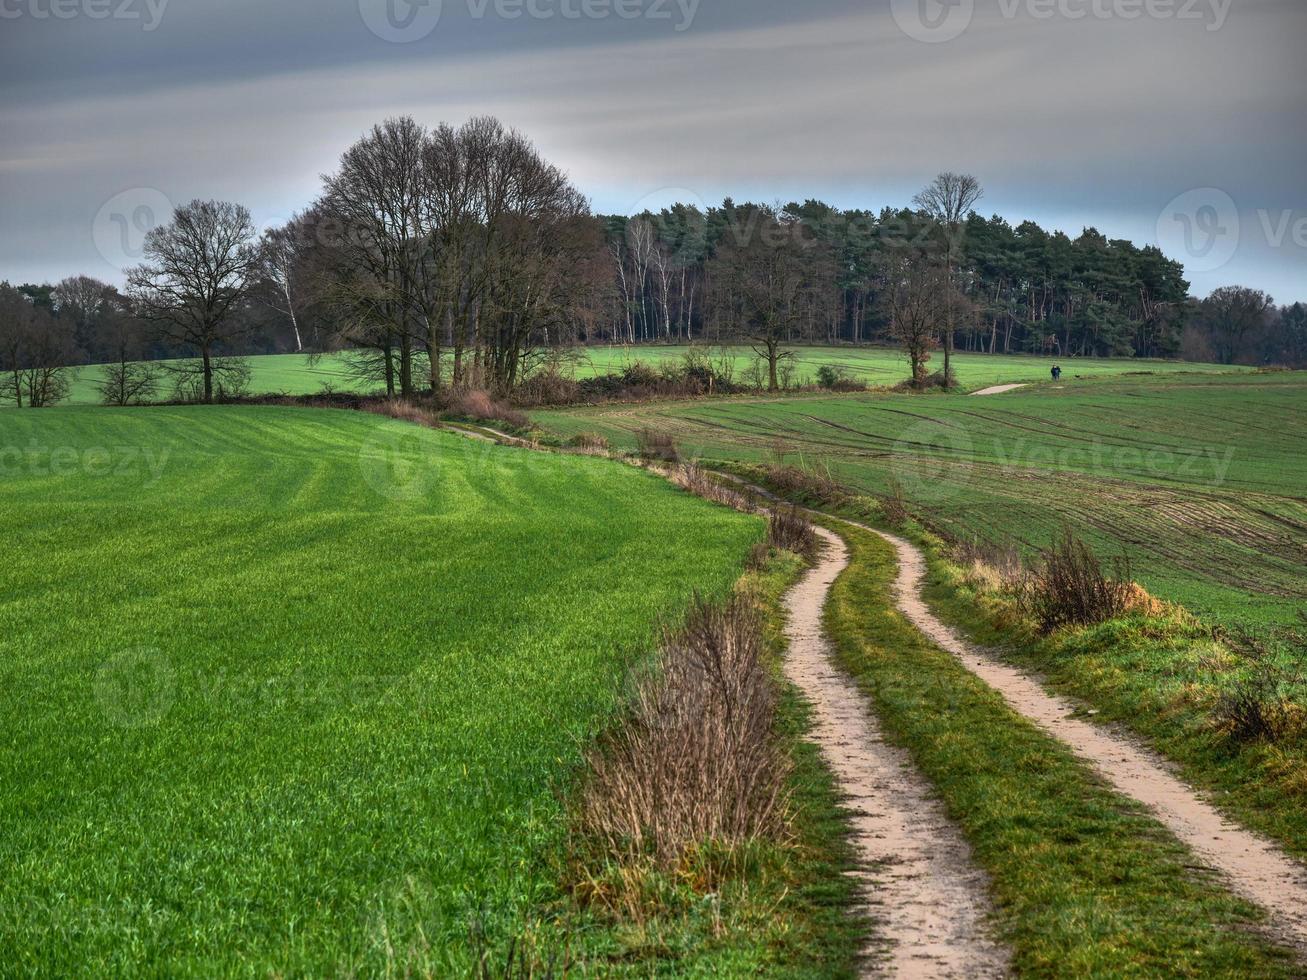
{"x":929,"y":898}
{"x":918,"y":880}
{"x":1253,"y":867}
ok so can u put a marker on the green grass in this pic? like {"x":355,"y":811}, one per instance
{"x":881,"y":367}
{"x":270,"y":374}
{"x":292,"y":374}
{"x":1086,"y":884}
{"x":783,"y":908}
{"x":1158,"y":676}
{"x":289,"y":691}
{"x":1198,"y":478}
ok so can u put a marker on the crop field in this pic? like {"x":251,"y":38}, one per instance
{"x":296,"y":374}
{"x":288,"y":692}
{"x":1198,"y":478}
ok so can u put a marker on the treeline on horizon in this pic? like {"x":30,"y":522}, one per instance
{"x":459,"y":256}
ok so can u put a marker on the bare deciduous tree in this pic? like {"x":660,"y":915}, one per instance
{"x":35,"y":351}
{"x":915,"y":297}
{"x":948,"y":200}
{"x":127,"y":379}
{"x":197,"y":269}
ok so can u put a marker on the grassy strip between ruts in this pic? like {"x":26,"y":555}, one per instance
{"x":1159,"y":676}
{"x":1085,"y":883}
{"x":779,"y":909}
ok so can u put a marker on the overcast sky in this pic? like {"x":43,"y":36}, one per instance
{"x":1172,"y":122}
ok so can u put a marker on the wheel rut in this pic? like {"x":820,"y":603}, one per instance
{"x":1252,"y":866}
{"x":918,"y":881}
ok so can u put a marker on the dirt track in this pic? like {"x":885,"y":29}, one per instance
{"x":1254,"y":868}
{"x":928,"y":897}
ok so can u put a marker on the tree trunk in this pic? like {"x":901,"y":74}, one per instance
{"x":208,"y":374}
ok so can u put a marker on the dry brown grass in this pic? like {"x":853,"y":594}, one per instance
{"x":788,"y":530}
{"x":812,"y":483}
{"x":588,"y":442}
{"x":481,"y":406}
{"x":695,"y":479}
{"x":403,"y":411}
{"x":656,"y":445}
{"x":694,"y":764}
{"x":1070,"y":587}
{"x":1255,"y":702}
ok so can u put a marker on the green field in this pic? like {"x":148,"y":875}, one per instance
{"x":293,"y":374}
{"x":1199,"y":477}
{"x":289,"y":692}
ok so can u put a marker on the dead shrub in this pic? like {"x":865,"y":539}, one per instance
{"x":653,"y":444}
{"x":1255,"y":703}
{"x":815,"y":483}
{"x":481,"y":406}
{"x":759,"y":557}
{"x":1069,"y":586}
{"x":547,"y":387}
{"x":588,"y":442}
{"x":395,"y":408}
{"x":991,"y":567}
{"x":894,"y":505}
{"x":694,"y":763}
{"x":788,"y":530}
{"x":696,"y":480}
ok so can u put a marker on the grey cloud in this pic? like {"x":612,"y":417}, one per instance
{"x":1070,"y":122}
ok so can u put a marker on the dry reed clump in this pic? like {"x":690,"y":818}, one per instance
{"x":657,"y":445}
{"x":695,"y":479}
{"x":789,"y":531}
{"x":588,"y":442}
{"x":403,"y":411}
{"x":1069,"y":587}
{"x":813,"y":483}
{"x":1256,"y":702}
{"x":893,"y":505}
{"x":694,"y":765}
{"x":481,"y":406}
{"x":991,"y":568}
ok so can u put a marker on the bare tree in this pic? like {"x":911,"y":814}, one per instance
{"x":949,"y":200}
{"x":197,"y":269}
{"x":35,"y":351}
{"x":758,"y":276}
{"x":279,"y":260}
{"x":916,"y":298}
{"x":82,"y":300}
{"x":127,"y":378}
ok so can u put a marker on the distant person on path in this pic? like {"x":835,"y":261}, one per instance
{"x":1057,"y":373}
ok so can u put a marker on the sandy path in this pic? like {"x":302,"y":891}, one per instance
{"x":998,"y":390}
{"x":1254,"y":868}
{"x":926,"y":893}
